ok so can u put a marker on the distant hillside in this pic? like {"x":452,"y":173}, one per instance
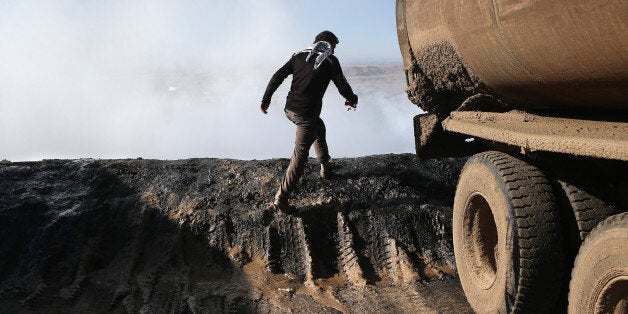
{"x":394,"y":71}
{"x":386,"y":81}
{"x":387,"y":78}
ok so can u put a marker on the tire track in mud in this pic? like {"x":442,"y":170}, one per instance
{"x":198,"y":236}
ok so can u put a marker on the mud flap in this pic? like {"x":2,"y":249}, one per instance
{"x":431,"y":141}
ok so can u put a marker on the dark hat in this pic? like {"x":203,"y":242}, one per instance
{"x":328,"y":37}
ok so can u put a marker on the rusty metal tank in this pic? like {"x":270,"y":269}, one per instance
{"x":530,"y":54}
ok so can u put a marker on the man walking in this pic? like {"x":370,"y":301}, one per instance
{"x":311,"y":70}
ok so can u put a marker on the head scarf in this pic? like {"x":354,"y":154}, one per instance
{"x":322,"y":50}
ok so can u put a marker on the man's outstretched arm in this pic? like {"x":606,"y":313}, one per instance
{"x":274,"y":83}
{"x":344,"y":88}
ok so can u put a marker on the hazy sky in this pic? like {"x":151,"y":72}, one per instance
{"x":99,"y":79}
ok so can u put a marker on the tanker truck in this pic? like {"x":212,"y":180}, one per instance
{"x":536,"y":93}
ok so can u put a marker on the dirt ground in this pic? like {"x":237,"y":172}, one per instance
{"x":198,"y":236}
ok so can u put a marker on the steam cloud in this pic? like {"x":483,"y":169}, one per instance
{"x":170,"y":80}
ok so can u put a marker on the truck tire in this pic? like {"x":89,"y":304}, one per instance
{"x":507,"y":236}
{"x":587,"y":208}
{"x":599,"y":280}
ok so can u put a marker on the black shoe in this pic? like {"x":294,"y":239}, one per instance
{"x":284,"y":206}
{"x":328,"y":169}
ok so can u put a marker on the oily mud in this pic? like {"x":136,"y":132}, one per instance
{"x":198,"y":236}
{"x":439,"y":81}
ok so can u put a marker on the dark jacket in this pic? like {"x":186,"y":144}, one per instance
{"x":308,"y":85}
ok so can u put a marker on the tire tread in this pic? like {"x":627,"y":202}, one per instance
{"x":588,"y":209}
{"x":541,"y":256}
{"x":582,"y":262}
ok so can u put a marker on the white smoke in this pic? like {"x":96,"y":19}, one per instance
{"x":167,"y":80}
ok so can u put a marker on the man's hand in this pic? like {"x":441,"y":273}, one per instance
{"x":264,"y":107}
{"x":351,"y":105}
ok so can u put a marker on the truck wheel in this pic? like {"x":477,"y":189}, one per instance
{"x":599,"y":280}
{"x":507,"y":237}
{"x":587,"y":208}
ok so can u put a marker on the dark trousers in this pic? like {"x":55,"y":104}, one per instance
{"x":310,"y":131}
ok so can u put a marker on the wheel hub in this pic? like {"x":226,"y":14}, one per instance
{"x":481,"y":241}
